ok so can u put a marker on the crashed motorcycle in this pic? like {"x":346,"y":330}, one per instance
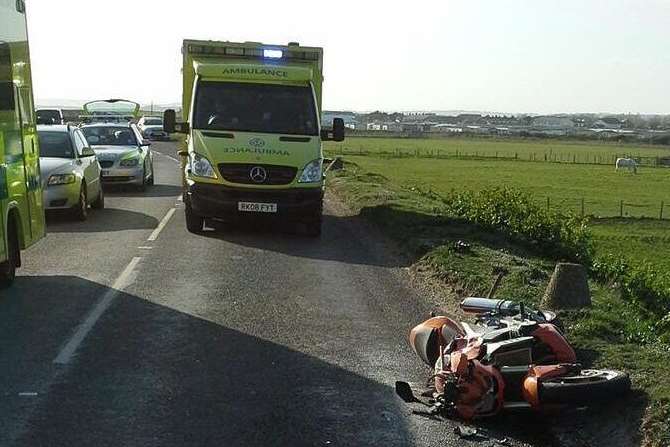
{"x":513,"y":357}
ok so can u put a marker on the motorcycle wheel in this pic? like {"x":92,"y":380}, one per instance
{"x":589,"y":385}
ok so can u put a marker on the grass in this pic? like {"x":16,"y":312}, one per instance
{"x":606,"y":334}
{"x":564,"y":186}
{"x":524,"y":149}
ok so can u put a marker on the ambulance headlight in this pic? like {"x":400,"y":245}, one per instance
{"x":201,"y":167}
{"x":313,"y":172}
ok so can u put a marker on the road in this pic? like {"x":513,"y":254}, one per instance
{"x":126,"y":330}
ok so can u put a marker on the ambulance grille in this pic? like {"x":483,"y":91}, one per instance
{"x":242,"y":173}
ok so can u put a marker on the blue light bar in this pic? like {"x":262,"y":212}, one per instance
{"x":273,"y":54}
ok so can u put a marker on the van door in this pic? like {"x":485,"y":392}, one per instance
{"x":31,"y":160}
{"x":7,"y":130}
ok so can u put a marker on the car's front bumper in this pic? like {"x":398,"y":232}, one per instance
{"x":221,"y":202}
{"x":158,"y":136}
{"x":123,"y":176}
{"x":58,"y":197}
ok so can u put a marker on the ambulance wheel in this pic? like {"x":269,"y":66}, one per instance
{"x":8,"y":268}
{"x":194,"y":223}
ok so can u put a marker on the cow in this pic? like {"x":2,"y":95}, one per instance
{"x":627,"y":163}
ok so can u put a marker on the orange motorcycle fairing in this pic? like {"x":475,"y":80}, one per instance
{"x":479,"y":389}
{"x":550,"y":336}
{"x":535,"y":375}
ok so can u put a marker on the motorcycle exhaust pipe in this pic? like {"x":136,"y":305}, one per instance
{"x":476,"y":305}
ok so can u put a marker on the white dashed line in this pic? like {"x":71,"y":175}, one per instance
{"x":124,"y":280}
{"x":143,"y":247}
{"x":161,"y":225}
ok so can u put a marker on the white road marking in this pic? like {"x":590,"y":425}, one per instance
{"x":142,"y":247}
{"x":124,"y":280}
{"x":161,"y":225}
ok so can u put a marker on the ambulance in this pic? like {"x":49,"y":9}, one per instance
{"x":21,"y":208}
{"x":251,"y":115}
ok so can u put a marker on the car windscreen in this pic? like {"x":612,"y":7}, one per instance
{"x":48,"y":117}
{"x":109,"y":136}
{"x":154,"y":122}
{"x":251,"y":107}
{"x":55,"y":144}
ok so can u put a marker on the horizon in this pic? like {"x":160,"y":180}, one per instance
{"x":72,"y":103}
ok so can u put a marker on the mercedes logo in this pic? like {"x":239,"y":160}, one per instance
{"x":258,"y":174}
{"x":256,"y":142}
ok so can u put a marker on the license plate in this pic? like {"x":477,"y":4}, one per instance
{"x":256,"y":207}
{"x":105,"y":173}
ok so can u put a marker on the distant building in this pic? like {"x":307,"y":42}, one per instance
{"x":609,"y":122}
{"x":350,"y":118}
{"x":469,"y":118}
{"x":552,"y":123}
{"x":446,"y":128}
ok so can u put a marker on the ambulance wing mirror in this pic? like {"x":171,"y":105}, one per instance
{"x":336,"y":134}
{"x":170,"y":124}
{"x":169,"y":121}
{"x":338,"y":129}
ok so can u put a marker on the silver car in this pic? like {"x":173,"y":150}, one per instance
{"x":70,"y":171}
{"x":125,"y":157}
{"x":152,"y":128}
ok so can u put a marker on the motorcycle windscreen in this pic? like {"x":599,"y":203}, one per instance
{"x":427,"y":337}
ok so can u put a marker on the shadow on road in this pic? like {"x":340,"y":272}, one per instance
{"x":343,"y":240}
{"x":100,"y":221}
{"x":151,"y":191}
{"x":152,"y":376}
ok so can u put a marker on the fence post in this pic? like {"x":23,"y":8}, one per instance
{"x":660,"y":216}
{"x":620,"y":208}
{"x":548,"y":203}
{"x":574,"y":158}
{"x":582,"y":207}
{"x":516,"y":155}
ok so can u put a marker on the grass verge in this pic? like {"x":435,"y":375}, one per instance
{"x":613,"y":332}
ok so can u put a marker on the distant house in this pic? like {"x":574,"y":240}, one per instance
{"x":446,"y":128}
{"x":552,"y":123}
{"x":350,"y":118}
{"x":469,"y":119}
{"x":608,"y":122}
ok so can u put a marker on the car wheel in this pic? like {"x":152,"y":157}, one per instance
{"x":81,"y":208}
{"x":8,"y":268}
{"x":143,"y":186}
{"x":151,"y":181}
{"x":100,"y":201}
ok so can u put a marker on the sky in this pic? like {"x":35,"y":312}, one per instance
{"x":514,"y":56}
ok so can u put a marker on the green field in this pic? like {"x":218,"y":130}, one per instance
{"x":564,"y":185}
{"x":522,"y":149}
{"x":619,"y":330}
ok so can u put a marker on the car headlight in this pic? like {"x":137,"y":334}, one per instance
{"x":313,"y":172}
{"x":129,"y":162}
{"x":201,"y":167}
{"x":62,"y":179}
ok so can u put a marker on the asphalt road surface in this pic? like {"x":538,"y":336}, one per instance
{"x":126,"y":330}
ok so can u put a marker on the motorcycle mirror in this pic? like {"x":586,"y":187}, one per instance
{"x":403,"y":390}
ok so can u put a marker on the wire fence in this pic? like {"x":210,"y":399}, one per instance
{"x":548,"y":157}
{"x":607,"y":209}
